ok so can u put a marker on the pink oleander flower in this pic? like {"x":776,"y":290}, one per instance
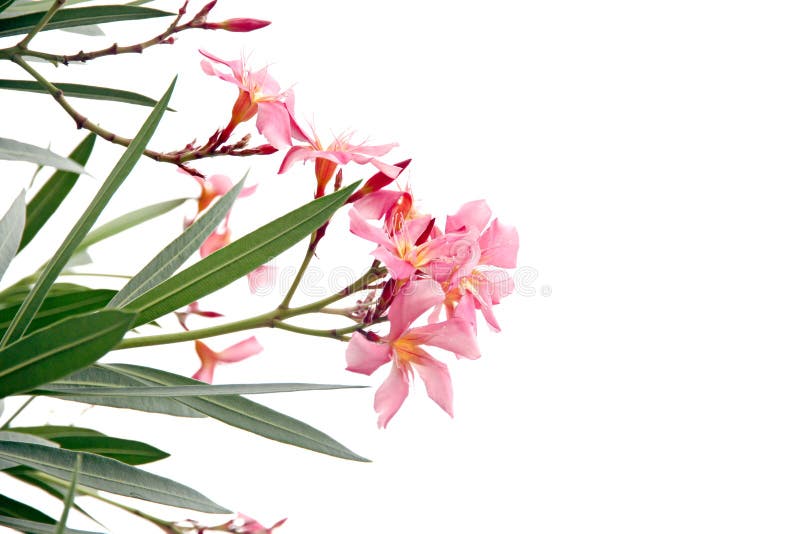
{"x":402,"y":347}
{"x":340,"y":152}
{"x":261,"y":95}
{"x":243,"y":524}
{"x":472,"y":286}
{"x":209,"y":359}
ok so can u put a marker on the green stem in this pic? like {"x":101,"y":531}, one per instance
{"x":23,"y":44}
{"x":272,"y":319}
{"x":334,"y":333}
{"x":15,"y":414}
{"x":299,"y":276}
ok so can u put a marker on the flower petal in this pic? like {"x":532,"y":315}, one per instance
{"x":413,"y":299}
{"x":293,"y":155}
{"x":240,"y":351}
{"x":215,"y":241}
{"x":364,"y":356}
{"x":475,"y":214}
{"x":360,"y":227}
{"x":391,"y":394}
{"x":499,"y":245}
{"x":437,"y":380}
{"x":273,"y":123}
{"x":455,"y":335}
{"x":375,"y":205}
{"x":262,"y":278}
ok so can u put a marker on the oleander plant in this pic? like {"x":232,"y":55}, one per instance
{"x":416,"y":303}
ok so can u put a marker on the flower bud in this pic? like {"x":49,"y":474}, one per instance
{"x":237,"y":25}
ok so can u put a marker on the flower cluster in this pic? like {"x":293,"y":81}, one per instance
{"x":456,"y":269}
{"x":448,"y":272}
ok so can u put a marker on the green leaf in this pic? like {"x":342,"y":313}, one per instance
{"x":81,"y":91}
{"x":19,"y":151}
{"x":60,"y":349}
{"x":109,"y":475}
{"x":57,"y":431}
{"x":11,"y":508}
{"x":36,"y":527}
{"x":99,"y":375}
{"x":129,"y":220}
{"x":127,"y":451}
{"x":65,"y":389}
{"x":60,"y":307}
{"x":247,"y":415}
{"x":91,"y":30}
{"x":51,"y":271}
{"x":11,"y":227}
{"x":4,"y":4}
{"x":21,"y":438}
{"x":70,"y":496}
{"x":176,"y":253}
{"x":21,"y":7}
{"x":81,"y":16}
{"x":54,"y":191}
{"x":234,"y":261}
{"x":15,"y":294}
{"x":34,"y":478}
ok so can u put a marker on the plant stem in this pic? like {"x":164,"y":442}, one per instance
{"x":299,"y":276}
{"x":272,"y":319}
{"x":15,"y":414}
{"x":23,"y":44}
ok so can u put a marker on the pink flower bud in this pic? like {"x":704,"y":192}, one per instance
{"x":237,"y":25}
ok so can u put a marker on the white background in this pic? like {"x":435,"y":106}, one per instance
{"x":647,"y":153}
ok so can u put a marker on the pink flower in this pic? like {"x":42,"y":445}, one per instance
{"x":340,"y":152}
{"x":403,"y":348}
{"x":259,"y":94}
{"x":243,"y":524}
{"x":262,"y":278}
{"x":469,"y":287}
{"x":237,"y":25}
{"x":209,"y":358}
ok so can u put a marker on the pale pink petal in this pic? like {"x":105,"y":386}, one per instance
{"x":247,"y":191}
{"x":413,"y":299}
{"x":235,"y":65}
{"x":437,"y":380}
{"x":376,"y":204}
{"x":499,"y":245}
{"x":214,"y":242}
{"x":364,"y":356}
{"x":220,"y":184}
{"x":455,"y":335}
{"x":488,"y":314}
{"x":205,"y":373}
{"x":392,"y":171}
{"x":475,"y":214}
{"x":262,"y":278}
{"x":362,"y":228}
{"x":208,"y":361}
{"x":391,"y":394}
{"x":293,"y":155}
{"x":465,"y":310}
{"x":267,"y":84}
{"x":373,"y":150}
{"x":240,"y":351}
{"x":399,"y":268}
{"x":273,"y":123}
{"x":499,"y":284}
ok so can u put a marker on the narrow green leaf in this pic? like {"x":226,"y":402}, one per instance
{"x":127,"y":451}
{"x":16,"y":293}
{"x":50,"y":272}
{"x":204,"y":390}
{"x":21,"y":7}
{"x":80,"y":16}
{"x":247,"y":415}
{"x":54,"y":191}
{"x":129,"y":220}
{"x":21,"y":438}
{"x":60,"y":307}
{"x":176,"y":253}
{"x":4,"y":4}
{"x":60,"y":349}
{"x":11,"y":227}
{"x":81,"y":91}
{"x":19,"y":151}
{"x":11,"y":508}
{"x":70,"y":496}
{"x":36,"y":527}
{"x":110,"y":475}
{"x":57,"y":431}
{"x":238,"y":258}
{"x":35,"y":479}
{"x":99,"y":375}
{"x":91,"y":30}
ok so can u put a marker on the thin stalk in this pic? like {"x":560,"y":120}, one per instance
{"x":299,"y":276}
{"x":23,"y":44}
{"x":25,"y":404}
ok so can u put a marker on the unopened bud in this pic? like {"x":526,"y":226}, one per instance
{"x":237,"y":25}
